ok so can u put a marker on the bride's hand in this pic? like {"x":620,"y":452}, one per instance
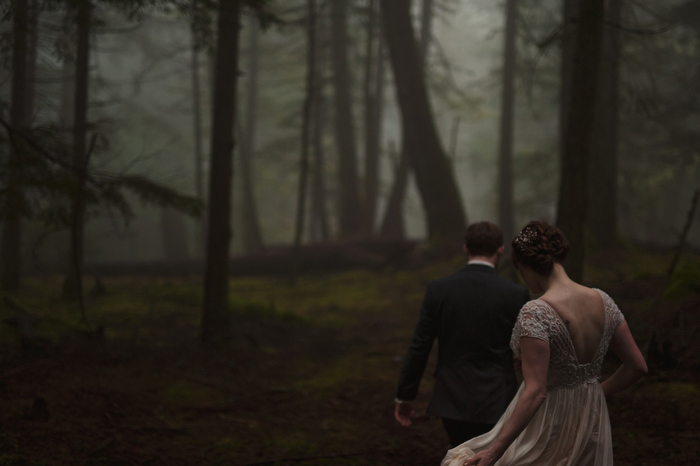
{"x":483,"y":458}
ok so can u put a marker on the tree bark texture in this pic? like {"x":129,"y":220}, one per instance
{"x":32,"y":48}
{"x":570,"y":19}
{"x":506,"y":214}
{"x":72,"y":286}
{"x":434,"y":177}
{"x":12,"y":228}
{"x":306,"y":121}
{"x":426,"y":31}
{"x":198,"y":155}
{"x":602,"y":210}
{"x":348,"y":184}
{"x":393,"y":227}
{"x":374,"y":96}
{"x":573,"y":191}
{"x":252,"y":236}
{"x":319,"y":228}
{"x":216,"y":323}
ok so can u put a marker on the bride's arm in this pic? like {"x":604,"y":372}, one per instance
{"x":535,"y":360}
{"x":633,"y":365}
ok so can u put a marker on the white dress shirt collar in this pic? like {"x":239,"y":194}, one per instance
{"x":479,"y":262}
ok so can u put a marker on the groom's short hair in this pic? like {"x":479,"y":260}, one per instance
{"x":483,"y":239}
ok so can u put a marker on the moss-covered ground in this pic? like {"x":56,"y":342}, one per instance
{"x":308,"y":377}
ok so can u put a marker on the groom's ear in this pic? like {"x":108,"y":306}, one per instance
{"x":464,"y":248}
{"x":501,"y":250}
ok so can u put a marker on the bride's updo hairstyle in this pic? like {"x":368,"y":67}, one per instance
{"x":539,"y":246}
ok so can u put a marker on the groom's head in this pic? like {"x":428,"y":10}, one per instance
{"x":483,"y":239}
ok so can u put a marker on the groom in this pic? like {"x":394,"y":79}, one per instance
{"x":471,"y":313}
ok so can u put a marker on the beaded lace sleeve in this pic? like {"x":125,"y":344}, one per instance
{"x":615,"y":316}
{"x":533,"y":322}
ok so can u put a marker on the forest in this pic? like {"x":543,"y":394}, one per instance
{"x":218,"y":218}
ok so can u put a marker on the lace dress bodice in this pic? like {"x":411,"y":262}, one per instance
{"x":537,"y":319}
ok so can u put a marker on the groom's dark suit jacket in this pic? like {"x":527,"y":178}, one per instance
{"x":471,"y":313}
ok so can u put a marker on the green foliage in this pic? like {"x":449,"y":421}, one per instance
{"x":49,"y":183}
{"x":686,"y":279}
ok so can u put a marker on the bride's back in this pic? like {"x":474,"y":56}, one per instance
{"x":583,"y":312}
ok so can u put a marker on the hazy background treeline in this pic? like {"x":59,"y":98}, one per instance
{"x":143,"y":97}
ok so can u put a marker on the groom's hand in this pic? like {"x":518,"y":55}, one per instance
{"x":403,"y":412}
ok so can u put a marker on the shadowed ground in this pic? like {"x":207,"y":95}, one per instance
{"x":308,"y":378}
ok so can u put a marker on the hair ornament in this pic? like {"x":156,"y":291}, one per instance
{"x":525,"y":236}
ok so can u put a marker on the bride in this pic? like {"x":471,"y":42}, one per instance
{"x":559,"y":416}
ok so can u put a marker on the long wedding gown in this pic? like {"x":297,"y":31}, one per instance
{"x":571,"y":427}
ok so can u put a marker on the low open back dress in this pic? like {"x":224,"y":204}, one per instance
{"x":572,"y":426}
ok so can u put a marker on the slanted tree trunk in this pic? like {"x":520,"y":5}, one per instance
{"x":434,"y":177}
{"x":198,"y":155}
{"x":602,"y":209}
{"x":252,"y":237}
{"x":348,"y":184}
{"x":306,"y":122}
{"x":573,"y":191}
{"x":319,"y":217}
{"x":72,"y":286}
{"x":505,"y":144}
{"x":374,"y":96}
{"x":11,"y":234}
{"x":174,"y":234}
{"x":393,"y":227}
{"x":216,"y":323}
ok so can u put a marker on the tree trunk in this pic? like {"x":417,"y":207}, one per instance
{"x":426,"y":31}
{"x":602,"y":210}
{"x":570,"y":18}
{"x":393,"y":227}
{"x":393,"y":224}
{"x":434,"y":177}
{"x":374,"y":96}
{"x":174,"y":234}
{"x":252,"y":237}
{"x":72,"y":286}
{"x":12,"y":232}
{"x":216,"y":323}
{"x":573,"y":191}
{"x":198,"y":155}
{"x":505,"y":150}
{"x":319,"y":217}
{"x":306,"y":121}
{"x":349,"y":205}
{"x":32,"y":47}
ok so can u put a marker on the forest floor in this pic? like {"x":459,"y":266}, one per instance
{"x":308,"y":377}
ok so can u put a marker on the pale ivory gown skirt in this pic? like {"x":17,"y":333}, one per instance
{"x":572,"y":426}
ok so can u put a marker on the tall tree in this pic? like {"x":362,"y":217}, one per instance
{"x":252,"y":236}
{"x":306,"y":121}
{"x":349,"y":202}
{"x":72,"y":287}
{"x":393,"y":227}
{"x":374,"y":96}
{"x":573,"y":191}
{"x":602,"y":209}
{"x":32,"y":49}
{"x":198,"y":155}
{"x":393,"y":224}
{"x":319,"y":217}
{"x":570,"y":18}
{"x":215,"y":323}
{"x":434,"y":177}
{"x":11,"y":235}
{"x":505,"y":142}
